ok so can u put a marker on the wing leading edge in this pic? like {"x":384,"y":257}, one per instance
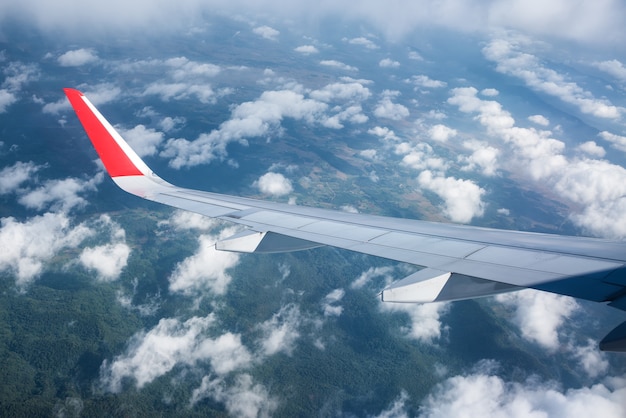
{"x":460,"y":262}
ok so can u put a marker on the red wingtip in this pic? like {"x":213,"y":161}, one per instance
{"x":104,"y":138}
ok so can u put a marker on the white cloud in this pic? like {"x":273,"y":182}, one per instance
{"x":370,"y":274}
{"x":182,"y":68}
{"x":441,"y":133}
{"x":182,"y":90}
{"x":414,"y":55}
{"x":397,"y":409}
{"x":28,"y":246}
{"x":617,"y":141}
{"x":613,"y":67}
{"x":249,"y":119}
{"x":420,"y":157}
{"x":17,"y":75}
{"x":462,"y":198}
{"x":206,"y":270}
{"x":539,"y":120}
{"x":329,"y":304}
{"x":389,"y":110}
{"x":12,"y":177}
{"x":354,"y":92}
{"x":145,"y":141}
{"x":77,"y":57}
{"x":539,"y":315}
{"x":243,"y":399}
{"x":172,"y":342}
{"x":388,"y":63}
{"x":424,"y":81}
{"x":363,"y":42}
{"x":182,"y":219}
{"x":267,"y":32}
{"x":487,"y":395}
{"x":307,"y":49}
{"x":384,"y":133}
{"x":370,"y":154}
{"x":484,"y":158}
{"x":338,"y":64}
{"x":490,"y":92}
{"x":596,"y":187}
{"x":109,"y":259}
{"x":592,"y":149}
{"x":585,"y":21}
{"x":510,"y":60}
{"x":61,"y":195}
{"x":274,"y":184}
{"x":6,"y":99}
{"x":425,"y":318}
{"x":593,"y":361}
{"x":280,"y":333}
{"x":169,"y":123}
{"x":98,"y":95}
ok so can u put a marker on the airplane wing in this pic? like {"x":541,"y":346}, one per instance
{"x":460,"y":262}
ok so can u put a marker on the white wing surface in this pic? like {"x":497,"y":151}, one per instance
{"x":460,"y":262}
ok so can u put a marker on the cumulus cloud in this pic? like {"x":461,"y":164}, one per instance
{"x":483,"y":158}
{"x":420,"y":157}
{"x":28,"y":246}
{"x":397,"y":409}
{"x":98,"y":95}
{"x":387,"y":109}
{"x":426,"y":325}
{"x":363,"y":42}
{"x":307,"y":49}
{"x":108,"y":260}
{"x":145,"y":141}
{"x":613,"y":67}
{"x":12,"y":177}
{"x":249,"y":119}
{"x":178,"y":91}
{"x":17,"y":75}
{"x":62,"y":195}
{"x":274,"y":184}
{"x":172,"y":342}
{"x":462,"y":198}
{"x":338,"y":64}
{"x":483,"y":393}
{"x":207,"y":269}
{"x":6,"y":99}
{"x":352,"y":91}
{"x":329,"y":303}
{"x":77,"y":57}
{"x":182,"y":220}
{"x":388,"y":63}
{"x":595,"y":186}
{"x":510,"y":60}
{"x":281,"y":332}
{"x":243,"y":399}
{"x":423,"y":81}
{"x":592,"y":149}
{"x":617,"y":141}
{"x":267,"y":32}
{"x":441,"y":133}
{"x":539,"y":120}
{"x":539,"y":314}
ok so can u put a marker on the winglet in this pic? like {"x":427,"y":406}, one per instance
{"x":118,"y":157}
